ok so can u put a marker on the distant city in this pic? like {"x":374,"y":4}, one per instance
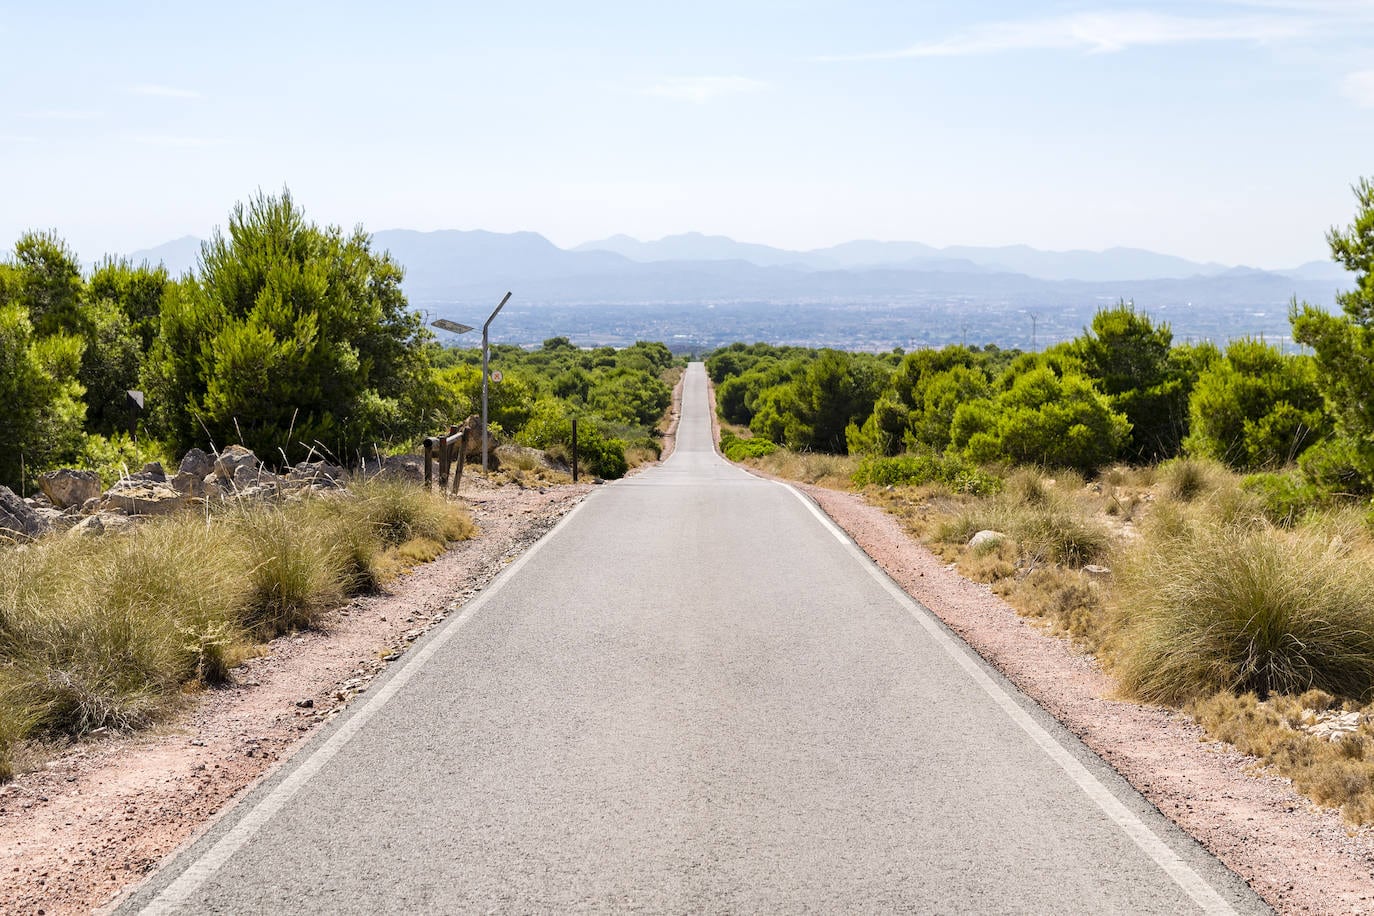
{"x":697,"y":292}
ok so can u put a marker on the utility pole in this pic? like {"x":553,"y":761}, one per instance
{"x":486,"y":355}
{"x":1035,"y":320}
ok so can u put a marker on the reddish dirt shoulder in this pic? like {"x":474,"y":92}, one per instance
{"x":102,"y":815}
{"x":1299,"y":858}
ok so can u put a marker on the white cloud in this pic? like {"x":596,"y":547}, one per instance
{"x":163,"y":92}
{"x":1099,"y":32}
{"x":1359,"y":87}
{"x":701,"y":89}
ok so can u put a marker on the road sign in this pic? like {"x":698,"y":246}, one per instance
{"x":496,"y":375}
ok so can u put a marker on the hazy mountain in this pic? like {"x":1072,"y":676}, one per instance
{"x":1111,"y":264}
{"x":694,"y":246}
{"x":178,"y":255}
{"x":474,"y":268}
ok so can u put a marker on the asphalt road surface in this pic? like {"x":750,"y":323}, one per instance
{"x":694,"y":695}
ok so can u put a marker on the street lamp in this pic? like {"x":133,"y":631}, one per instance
{"x":486,"y":353}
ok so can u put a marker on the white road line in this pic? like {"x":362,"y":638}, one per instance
{"x":178,"y":893}
{"x":1181,"y":872}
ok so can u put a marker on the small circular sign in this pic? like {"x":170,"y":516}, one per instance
{"x":496,"y":375}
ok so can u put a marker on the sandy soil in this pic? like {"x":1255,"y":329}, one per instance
{"x":1299,"y":858}
{"x":102,"y":815}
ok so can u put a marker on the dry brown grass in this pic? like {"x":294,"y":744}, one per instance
{"x":832,"y":471}
{"x":1338,"y":774}
{"x":108,"y":633}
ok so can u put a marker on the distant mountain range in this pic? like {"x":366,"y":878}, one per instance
{"x":453,"y":267}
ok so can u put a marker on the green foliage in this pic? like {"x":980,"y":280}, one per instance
{"x":737,"y":449}
{"x":110,"y":366}
{"x":1284,"y":497}
{"x":1344,"y":344}
{"x":1042,"y":419}
{"x":117,"y":455}
{"x":291,"y":335}
{"x":1256,"y":408}
{"x":1129,"y":359}
{"x":926,"y":467}
{"x":45,"y":280}
{"x":41,"y":420}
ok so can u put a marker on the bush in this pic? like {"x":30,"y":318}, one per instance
{"x":913,"y":470}
{"x":1284,"y":498}
{"x":1204,"y":607}
{"x":737,"y":449}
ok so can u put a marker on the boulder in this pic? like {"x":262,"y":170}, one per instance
{"x":233,"y":458}
{"x":68,"y":487}
{"x":196,"y":463}
{"x":152,"y":471}
{"x":986,"y":538}
{"x":402,"y":467}
{"x":141,"y":497}
{"x":1093,"y":571}
{"x":17,"y":520}
{"x":246,"y":477}
{"x":319,"y":474}
{"x":100,"y":523}
{"x":190,"y":484}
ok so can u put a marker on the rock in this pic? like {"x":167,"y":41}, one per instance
{"x":233,"y":458}
{"x":152,"y":471}
{"x":69,"y":487}
{"x":38,"y":501}
{"x":1092,"y":571}
{"x":140,"y":497}
{"x":986,"y":538}
{"x":17,"y":520}
{"x":402,"y":467}
{"x":190,"y":484}
{"x":92,"y":505}
{"x":100,"y":523}
{"x":320,"y":474}
{"x":196,"y":463}
{"x":246,"y":477}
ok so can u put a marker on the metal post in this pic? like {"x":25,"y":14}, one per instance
{"x":429,"y":463}
{"x":486,"y":354}
{"x":574,"y":444}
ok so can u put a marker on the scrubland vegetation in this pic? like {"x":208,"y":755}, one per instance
{"x":1199,"y":518}
{"x":292,"y":339}
{"x":108,"y":633}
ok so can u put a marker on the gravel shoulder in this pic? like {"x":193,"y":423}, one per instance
{"x":104,"y":813}
{"x":1299,"y":858}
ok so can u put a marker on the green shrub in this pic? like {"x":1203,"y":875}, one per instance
{"x":957,"y":473}
{"x":737,"y":449}
{"x":1284,"y":497}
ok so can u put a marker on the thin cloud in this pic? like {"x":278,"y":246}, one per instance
{"x":163,"y":92}
{"x":700,"y":89}
{"x":1100,"y":32}
{"x":1359,"y":87}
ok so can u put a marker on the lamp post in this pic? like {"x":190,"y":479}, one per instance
{"x":486,"y":354}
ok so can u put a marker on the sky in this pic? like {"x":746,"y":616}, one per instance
{"x":1218,"y":131}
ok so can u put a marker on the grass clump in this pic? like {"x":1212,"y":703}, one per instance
{"x":1204,"y":607}
{"x":107,"y":633}
{"x":1187,"y":479}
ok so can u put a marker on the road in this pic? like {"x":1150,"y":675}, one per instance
{"x":694,"y":695}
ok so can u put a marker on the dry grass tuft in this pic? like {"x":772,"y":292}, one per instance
{"x":107,"y":633}
{"x":832,"y":471}
{"x":1203,"y":606}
